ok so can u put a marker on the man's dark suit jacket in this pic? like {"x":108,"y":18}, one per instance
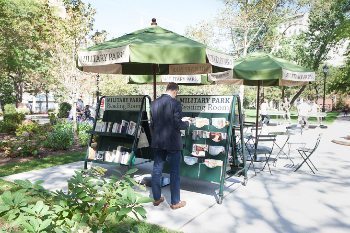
{"x":166,"y":123}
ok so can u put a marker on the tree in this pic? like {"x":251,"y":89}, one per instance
{"x":24,"y":39}
{"x":326,"y":21}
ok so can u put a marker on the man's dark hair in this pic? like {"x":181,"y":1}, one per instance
{"x":172,"y":87}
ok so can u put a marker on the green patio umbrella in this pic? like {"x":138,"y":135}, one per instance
{"x":262,"y":69}
{"x":153,"y":51}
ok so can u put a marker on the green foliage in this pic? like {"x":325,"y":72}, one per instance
{"x":90,"y":204}
{"x":64,"y":109}
{"x":61,"y":137}
{"x":16,"y":118}
{"x":10,"y":109}
{"x":340,"y":81}
{"x":7,"y":127}
{"x":21,"y":146}
{"x":6,"y":91}
{"x":10,"y":122}
{"x":53,"y":118}
{"x":27,"y":128}
{"x":83,"y":136}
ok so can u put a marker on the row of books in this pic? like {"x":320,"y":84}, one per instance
{"x":120,"y":155}
{"x":125,"y":127}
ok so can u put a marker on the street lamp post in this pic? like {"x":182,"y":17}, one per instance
{"x":325,"y":72}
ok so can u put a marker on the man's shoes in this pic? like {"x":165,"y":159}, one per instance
{"x":178,"y":205}
{"x":157,"y":202}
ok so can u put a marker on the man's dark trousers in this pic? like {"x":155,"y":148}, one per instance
{"x":173,"y":158}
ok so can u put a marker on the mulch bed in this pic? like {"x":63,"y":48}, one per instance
{"x":44,"y":152}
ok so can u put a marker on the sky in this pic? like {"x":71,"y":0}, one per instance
{"x":119,"y":17}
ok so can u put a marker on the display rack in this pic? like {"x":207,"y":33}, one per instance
{"x":121,"y":123}
{"x":210,"y":141}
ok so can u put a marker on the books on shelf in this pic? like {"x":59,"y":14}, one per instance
{"x":125,"y":127}
{"x":120,"y":155}
{"x":132,"y":128}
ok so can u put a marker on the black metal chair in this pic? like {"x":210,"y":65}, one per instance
{"x":263,"y":149}
{"x":306,"y":153}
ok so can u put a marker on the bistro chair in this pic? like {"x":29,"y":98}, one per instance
{"x":263,"y":150}
{"x":306,"y":153}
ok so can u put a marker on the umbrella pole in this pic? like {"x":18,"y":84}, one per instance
{"x":154,"y":82}
{"x":257,"y":120}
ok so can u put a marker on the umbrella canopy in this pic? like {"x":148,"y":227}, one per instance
{"x":150,"y":51}
{"x":268,"y":70}
{"x":262,"y":69}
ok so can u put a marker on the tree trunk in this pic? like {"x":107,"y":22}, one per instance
{"x":296,"y":96}
{"x":47,"y":101}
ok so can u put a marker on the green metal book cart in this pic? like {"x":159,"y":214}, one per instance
{"x":121,"y":123}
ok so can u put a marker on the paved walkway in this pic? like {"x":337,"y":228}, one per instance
{"x":285,"y":201}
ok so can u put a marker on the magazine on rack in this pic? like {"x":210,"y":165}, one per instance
{"x":198,"y":134}
{"x":100,"y":155}
{"x":124,"y":127}
{"x":217,"y":136}
{"x":199,"y":150}
{"x":132,"y":128}
{"x":115,"y":128}
{"x":218,"y":122}
{"x":201,"y":122}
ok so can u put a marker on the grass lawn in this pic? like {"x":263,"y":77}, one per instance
{"x":330,"y":118}
{"x":49,"y":161}
{"x":128,"y":225}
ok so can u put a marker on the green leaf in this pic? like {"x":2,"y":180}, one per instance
{"x":131,"y":171}
{"x":124,"y":211}
{"x":45,"y":224}
{"x":141,"y":200}
{"x":141,"y":211}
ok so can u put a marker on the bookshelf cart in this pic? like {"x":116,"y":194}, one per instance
{"x":111,"y":112}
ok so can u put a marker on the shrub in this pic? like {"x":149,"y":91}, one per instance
{"x":83,"y":136}
{"x":7,"y":127}
{"x":16,"y":118}
{"x":61,"y":136}
{"x":53,"y":118}
{"x":9,"y":109}
{"x":64,"y":109}
{"x":90,"y":203}
{"x":27,"y":128}
{"x":21,"y":146}
{"x":10,"y":122}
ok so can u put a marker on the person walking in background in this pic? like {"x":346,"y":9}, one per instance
{"x":303,"y":113}
{"x":314,"y":111}
{"x":265,"y":118}
{"x":286,"y":109}
{"x":167,"y":144}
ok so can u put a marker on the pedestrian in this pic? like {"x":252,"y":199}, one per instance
{"x":167,"y":144}
{"x":265,"y":118}
{"x":303,"y":113}
{"x":80,"y":108}
{"x":286,"y":109}
{"x":315,"y":111}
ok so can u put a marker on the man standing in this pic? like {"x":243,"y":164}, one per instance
{"x":265,"y":118}
{"x":285,"y":108}
{"x":303,"y":113}
{"x":167,"y":144}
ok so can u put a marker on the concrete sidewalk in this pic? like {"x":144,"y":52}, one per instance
{"x":285,"y":201}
